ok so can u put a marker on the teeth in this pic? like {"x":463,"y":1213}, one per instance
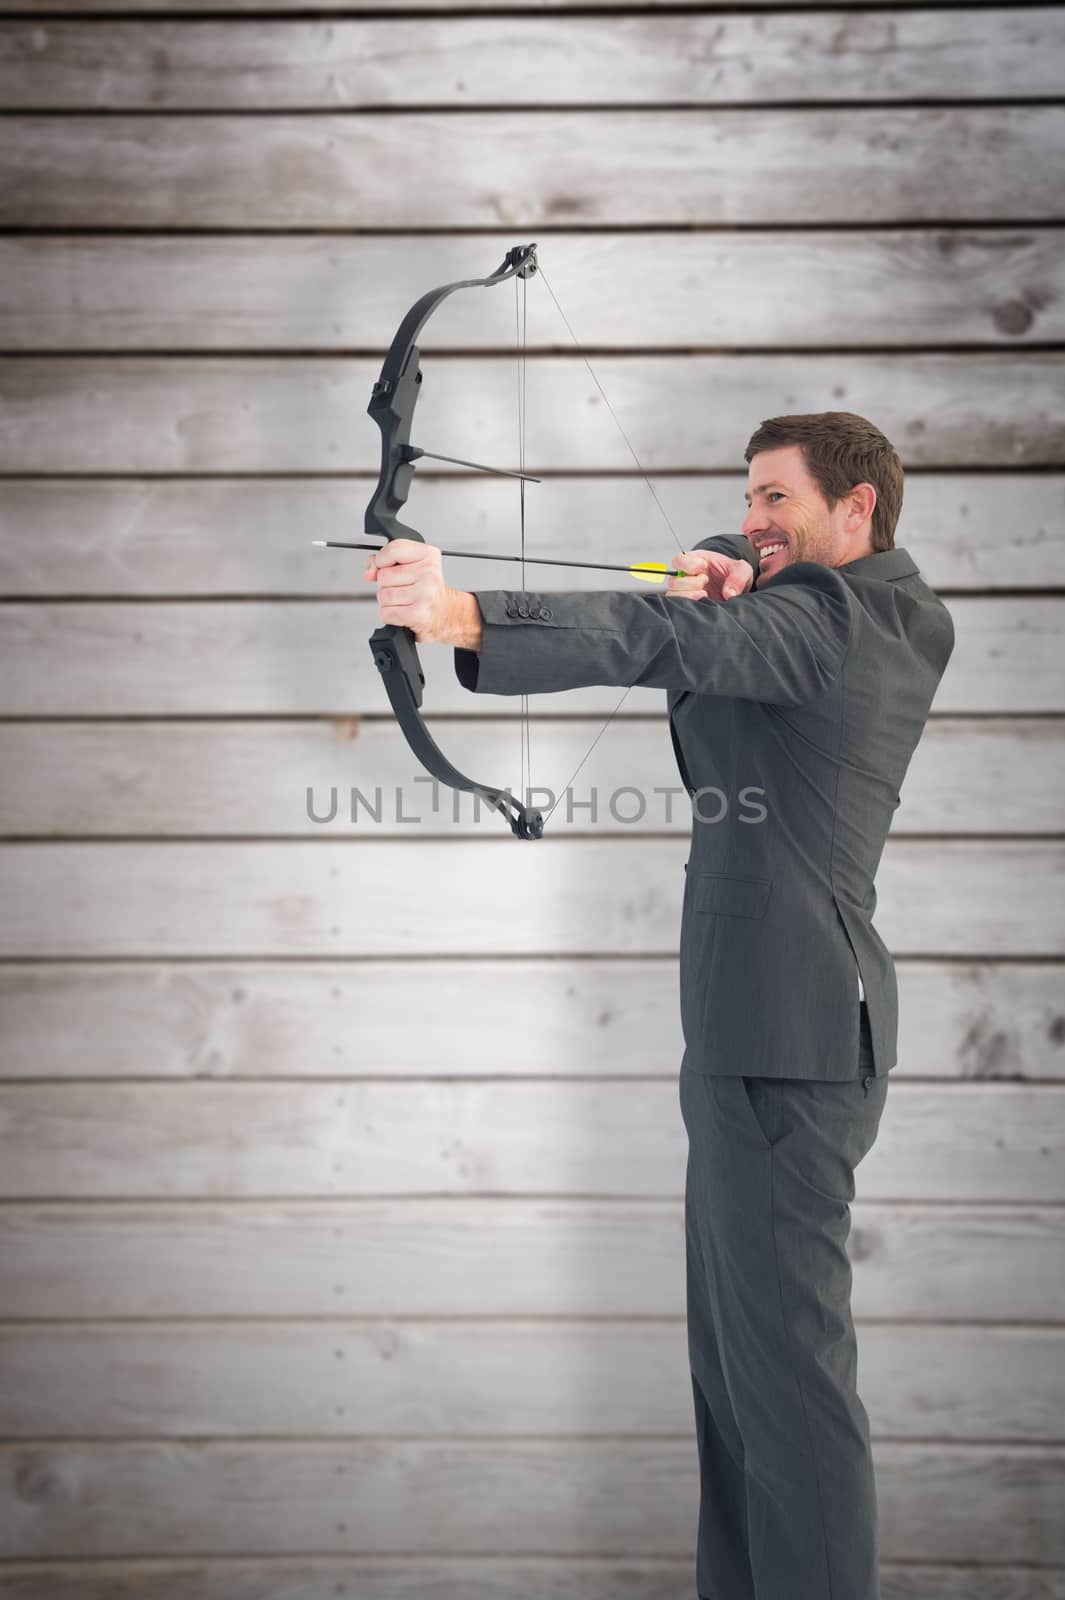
{"x":770,"y":549}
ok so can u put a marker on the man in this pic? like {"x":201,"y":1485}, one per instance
{"x":808,"y":676}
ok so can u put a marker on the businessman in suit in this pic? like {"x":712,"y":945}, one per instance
{"x":801,"y":660}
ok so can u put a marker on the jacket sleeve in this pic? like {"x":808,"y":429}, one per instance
{"x":782,"y":644}
{"x":736,"y":545}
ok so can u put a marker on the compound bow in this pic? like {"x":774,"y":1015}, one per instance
{"x":394,"y":648}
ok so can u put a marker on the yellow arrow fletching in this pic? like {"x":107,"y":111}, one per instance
{"x":652,"y":571}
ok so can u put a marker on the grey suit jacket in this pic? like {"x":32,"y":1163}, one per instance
{"x":803,"y":699}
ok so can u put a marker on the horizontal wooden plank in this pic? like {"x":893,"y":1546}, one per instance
{"x":217,"y":537}
{"x":594,"y":1019}
{"x":476,"y":1578}
{"x":795,"y":289}
{"x":144,"y":414}
{"x":298,"y":658}
{"x":126,"y":660}
{"x":965,"y":1142}
{"x":195,"y":778}
{"x":456,"y":1378}
{"x":573,"y":1496}
{"x":539,"y":61}
{"x":488,"y":1258}
{"x":578,"y":896}
{"x":431,"y":1379}
{"x":856,"y":164}
{"x":264,"y":8}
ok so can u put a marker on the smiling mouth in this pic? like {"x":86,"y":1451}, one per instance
{"x":777,"y":552}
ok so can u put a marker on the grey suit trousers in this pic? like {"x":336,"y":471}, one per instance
{"x":787,"y":1495}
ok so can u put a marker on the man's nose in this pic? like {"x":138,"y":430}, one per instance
{"x":752,"y":522}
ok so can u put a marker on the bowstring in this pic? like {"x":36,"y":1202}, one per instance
{"x":521,"y":332}
{"x":654,"y":496}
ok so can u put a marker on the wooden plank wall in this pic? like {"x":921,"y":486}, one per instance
{"x":341,"y":1165}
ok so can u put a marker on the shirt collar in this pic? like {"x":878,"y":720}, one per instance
{"x":884,"y":564}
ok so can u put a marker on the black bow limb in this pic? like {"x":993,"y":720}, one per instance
{"x":395,"y":656}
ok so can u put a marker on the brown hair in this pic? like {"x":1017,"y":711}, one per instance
{"x":841,"y":450}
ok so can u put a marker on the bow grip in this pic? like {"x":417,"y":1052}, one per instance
{"x":395,"y":650}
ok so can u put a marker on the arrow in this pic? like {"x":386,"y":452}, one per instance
{"x":646,"y":571}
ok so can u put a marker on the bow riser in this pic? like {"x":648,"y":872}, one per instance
{"x":392,"y":408}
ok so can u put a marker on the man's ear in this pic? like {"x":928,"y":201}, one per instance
{"x":861,"y":502}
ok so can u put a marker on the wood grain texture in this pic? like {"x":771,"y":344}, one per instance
{"x":456,"y":1378}
{"x":299,"y":658}
{"x":493,"y":1257}
{"x":944,"y":286}
{"x":250,"y":1141}
{"x":1001,"y":163}
{"x":473,"y":1578}
{"x":250,"y":10}
{"x":962,"y":1020}
{"x":330,"y":1261}
{"x":577,"y":896}
{"x":233,"y":778}
{"x":221,"y":537}
{"x":636,"y":1498}
{"x":539,"y":61}
{"x":144,"y":415}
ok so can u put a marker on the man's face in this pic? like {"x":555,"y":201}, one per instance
{"x":787,"y":508}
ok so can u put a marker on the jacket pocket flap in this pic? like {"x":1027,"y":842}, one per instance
{"x":733,"y":897}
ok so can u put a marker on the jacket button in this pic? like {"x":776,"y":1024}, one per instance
{"x":523,"y":610}
{"x":547,"y":614}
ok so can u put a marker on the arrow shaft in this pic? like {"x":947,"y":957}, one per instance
{"x":481,"y":555}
